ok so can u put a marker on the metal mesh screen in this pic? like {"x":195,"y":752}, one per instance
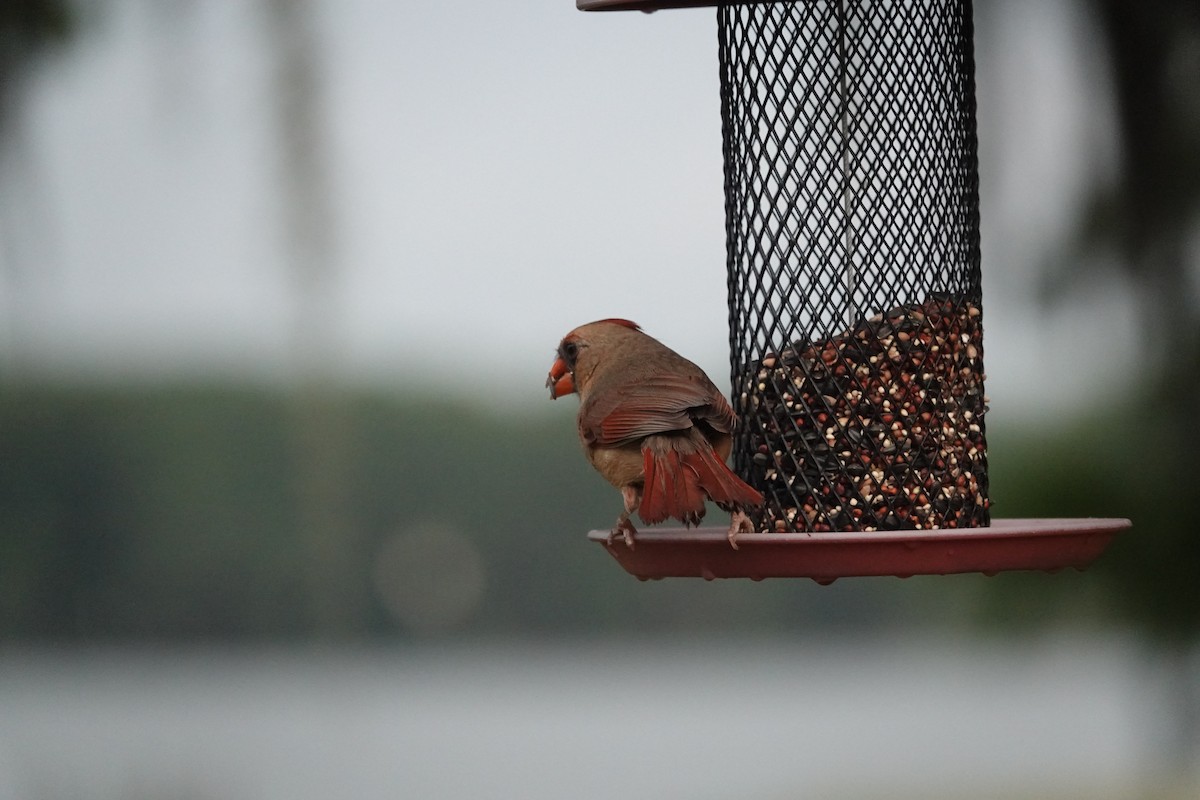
{"x":852,"y":215}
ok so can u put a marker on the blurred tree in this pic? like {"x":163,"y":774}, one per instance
{"x":28,"y":29}
{"x":1144,"y":226}
{"x":319,"y":416}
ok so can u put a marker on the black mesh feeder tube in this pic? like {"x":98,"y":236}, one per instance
{"x":852,"y":221}
{"x":855,"y":303}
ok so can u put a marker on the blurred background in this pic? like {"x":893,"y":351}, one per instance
{"x":285,"y":511}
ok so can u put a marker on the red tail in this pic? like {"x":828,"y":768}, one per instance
{"x":720,"y":484}
{"x":678,"y":483}
{"x":671,"y":489}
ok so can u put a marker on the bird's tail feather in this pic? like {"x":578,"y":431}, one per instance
{"x":720,"y":483}
{"x":677,"y":483}
{"x":672,"y":489}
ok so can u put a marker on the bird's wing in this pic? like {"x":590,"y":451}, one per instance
{"x":658,"y":404}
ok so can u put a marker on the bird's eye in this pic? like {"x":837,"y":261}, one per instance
{"x":570,"y":350}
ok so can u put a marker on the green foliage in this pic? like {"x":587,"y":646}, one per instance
{"x":1142,"y":223}
{"x":1117,"y":462}
{"x":174,"y":512}
{"x":125,"y":511}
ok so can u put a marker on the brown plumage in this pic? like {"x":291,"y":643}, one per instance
{"x":653,"y":424}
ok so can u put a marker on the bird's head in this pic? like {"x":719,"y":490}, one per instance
{"x":576,"y":355}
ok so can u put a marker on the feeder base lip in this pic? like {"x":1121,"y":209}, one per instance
{"x":1008,"y":544}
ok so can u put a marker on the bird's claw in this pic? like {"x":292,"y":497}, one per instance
{"x":740,"y":523}
{"x":623,"y":528}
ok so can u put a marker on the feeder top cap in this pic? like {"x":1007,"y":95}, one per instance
{"x":650,"y":6}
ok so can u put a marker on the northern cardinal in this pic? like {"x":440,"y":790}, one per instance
{"x":653,"y":424}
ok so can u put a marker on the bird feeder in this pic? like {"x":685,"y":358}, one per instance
{"x":855,"y":302}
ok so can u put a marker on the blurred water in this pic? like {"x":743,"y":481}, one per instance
{"x":697,"y":719}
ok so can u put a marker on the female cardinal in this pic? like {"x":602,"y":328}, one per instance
{"x":653,"y":424}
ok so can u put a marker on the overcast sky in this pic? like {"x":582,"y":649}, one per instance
{"x":501,"y":172}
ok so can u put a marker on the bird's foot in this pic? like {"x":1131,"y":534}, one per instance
{"x":624,"y":528}
{"x":740,"y":523}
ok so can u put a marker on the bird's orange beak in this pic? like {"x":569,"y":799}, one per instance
{"x":560,"y":381}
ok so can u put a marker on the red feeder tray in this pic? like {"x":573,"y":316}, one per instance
{"x":1008,"y":544}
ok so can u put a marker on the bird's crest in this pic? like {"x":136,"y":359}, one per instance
{"x":625,"y":322}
